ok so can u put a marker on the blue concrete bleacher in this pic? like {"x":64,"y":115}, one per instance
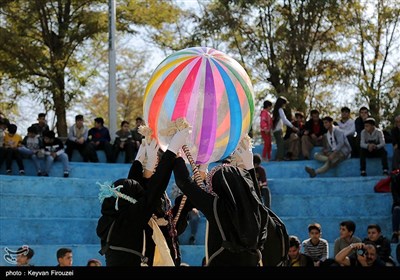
{"x":52,"y":212}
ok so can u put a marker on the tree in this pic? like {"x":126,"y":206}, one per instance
{"x":131,"y":79}
{"x":41,"y":39}
{"x":377,"y":75}
{"x":44,"y":44}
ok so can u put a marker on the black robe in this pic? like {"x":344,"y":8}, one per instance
{"x":131,"y":219}
{"x":241,"y":214}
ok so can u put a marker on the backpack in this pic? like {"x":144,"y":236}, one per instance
{"x":383,"y":185}
{"x":276,"y":247}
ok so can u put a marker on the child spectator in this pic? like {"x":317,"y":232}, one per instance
{"x":347,"y":230}
{"x":32,"y":148}
{"x":266,"y":130}
{"x":25,"y":256}
{"x":315,"y":246}
{"x":123,"y":142}
{"x":93,"y":262}
{"x":53,"y":150}
{"x":12,"y":141}
{"x":296,"y":258}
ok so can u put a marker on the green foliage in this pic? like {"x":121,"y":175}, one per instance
{"x":41,"y":39}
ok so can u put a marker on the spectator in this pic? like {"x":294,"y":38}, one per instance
{"x":296,"y":258}
{"x":366,"y":255}
{"x":266,"y":129}
{"x":347,"y":125}
{"x":363,"y":114}
{"x":313,"y":134}
{"x":123,"y":142}
{"x":54,"y":150}
{"x":41,"y":126}
{"x":279,"y":119}
{"x":396,"y":143}
{"x":64,"y":257}
{"x":12,"y":142}
{"x":93,"y":262}
{"x":77,"y":140}
{"x":25,"y":256}
{"x":316,"y":247}
{"x":347,"y":230}
{"x":293,"y":139}
{"x":372,"y":145}
{"x":336,"y":149}
{"x":136,"y":136}
{"x":99,"y":139}
{"x":381,"y":243}
{"x":32,"y":147}
{"x":4,"y":123}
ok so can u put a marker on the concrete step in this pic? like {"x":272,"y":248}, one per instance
{"x":48,"y":230}
{"x":77,"y":170}
{"x":44,"y":207}
{"x":323,"y":186}
{"x":334,"y":205}
{"x":259,"y":147}
{"x":49,"y":186}
{"x":296,"y":169}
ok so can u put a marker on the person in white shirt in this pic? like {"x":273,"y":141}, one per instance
{"x":336,"y":149}
{"x":349,"y":128}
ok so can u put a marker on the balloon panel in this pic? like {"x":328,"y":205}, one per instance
{"x":211,"y":90}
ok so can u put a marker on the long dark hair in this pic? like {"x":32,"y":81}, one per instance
{"x":275,"y":114}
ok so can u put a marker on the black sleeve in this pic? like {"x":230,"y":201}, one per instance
{"x":136,"y":171}
{"x":156,"y":186}
{"x":395,"y":188}
{"x":181,"y":224}
{"x":117,"y":141}
{"x":255,"y":182}
{"x":202,"y":200}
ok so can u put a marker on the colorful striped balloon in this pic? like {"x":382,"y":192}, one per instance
{"x":208,"y":88}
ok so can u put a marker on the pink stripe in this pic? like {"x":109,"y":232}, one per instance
{"x":183,"y":99}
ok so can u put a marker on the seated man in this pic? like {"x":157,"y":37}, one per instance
{"x":336,"y":149}
{"x":366,"y":256}
{"x":372,"y":145}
